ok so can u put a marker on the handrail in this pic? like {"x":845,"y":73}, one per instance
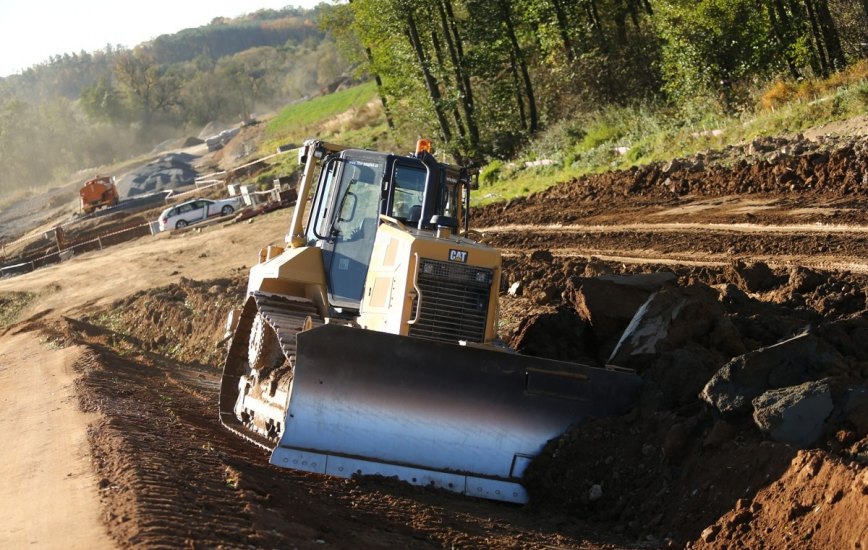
{"x":418,"y":291}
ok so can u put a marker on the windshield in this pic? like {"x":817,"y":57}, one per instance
{"x":409,"y":192}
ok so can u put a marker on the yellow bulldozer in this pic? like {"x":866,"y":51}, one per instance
{"x":368,"y":343}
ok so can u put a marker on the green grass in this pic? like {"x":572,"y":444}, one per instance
{"x":610,"y":138}
{"x":347,"y":117}
{"x":295,"y":122}
{"x":342,"y":117}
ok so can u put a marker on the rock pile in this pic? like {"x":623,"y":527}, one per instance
{"x":168,"y":172}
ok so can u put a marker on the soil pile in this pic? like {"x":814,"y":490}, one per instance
{"x":183,"y":322}
{"x":686,"y":455}
{"x":790,"y":170}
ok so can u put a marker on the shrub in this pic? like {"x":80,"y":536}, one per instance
{"x":779,"y":93}
{"x":490,"y":173}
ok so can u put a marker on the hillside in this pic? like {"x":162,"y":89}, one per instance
{"x":86,"y":111}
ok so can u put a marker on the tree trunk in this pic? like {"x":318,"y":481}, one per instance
{"x":830,"y":36}
{"x":818,"y":37}
{"x":447,"y":84}
{"x":780,"y":30}
{"x":456,"y":53}
{"x":516,"y":85}
{"x":519,"y":59}
{"x":647,"y":5}
{"x":430,"y":81}
{"x":379,"y":81}
{"x":621,"y":27}
{"x":634,"y":12}
{"x":594,"y":16}
{"x":798,"y":27}
{"x":563,"y":26}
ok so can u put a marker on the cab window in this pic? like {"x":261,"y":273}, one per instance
{"x":409,"y":185}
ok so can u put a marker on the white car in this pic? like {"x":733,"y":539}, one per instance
{"x":196,"y":210}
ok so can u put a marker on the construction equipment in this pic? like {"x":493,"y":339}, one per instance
{"x":98,"y":192}
{"x":367,"y":346}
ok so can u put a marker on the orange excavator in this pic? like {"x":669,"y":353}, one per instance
{"x":98,"y":192}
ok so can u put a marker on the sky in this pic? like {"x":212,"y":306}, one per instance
{"x":31,"y":31}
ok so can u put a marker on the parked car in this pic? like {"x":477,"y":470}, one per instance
{"x":196,"y":210}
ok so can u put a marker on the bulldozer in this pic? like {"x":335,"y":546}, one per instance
{"x":368,"y":345}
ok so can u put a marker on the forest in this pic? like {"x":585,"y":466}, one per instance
{"x":490,"y":74}
{"x":486,"y":77}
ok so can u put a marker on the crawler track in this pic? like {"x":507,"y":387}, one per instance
{"x":286,"y":317}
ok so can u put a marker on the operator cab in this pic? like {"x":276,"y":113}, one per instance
{"x":355,"y":187}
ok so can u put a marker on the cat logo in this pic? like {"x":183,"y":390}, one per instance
{"x":458,"y":256}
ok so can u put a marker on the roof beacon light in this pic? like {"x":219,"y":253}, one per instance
{"x":423,"y":145}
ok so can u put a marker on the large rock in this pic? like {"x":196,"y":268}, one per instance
{"x":795,"y":415}
{"x":608,"y":303}
{"x":854,"y":408}
{"x":677,"y":377}
{"x":666,"y":321}
{"x":791,"y":362}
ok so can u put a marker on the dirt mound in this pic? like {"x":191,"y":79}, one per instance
{"x":816,"y":503}
{"x":183,"y":321}
{"x":667,"y":469}
{"x":835,"y":169}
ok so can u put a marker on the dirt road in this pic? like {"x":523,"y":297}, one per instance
{"x":49,"y":490}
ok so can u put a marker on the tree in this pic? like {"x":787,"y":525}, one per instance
{"x":251,"y":75}
{"x":103,"y":101}
{"x":711,"y":43}
{"x":517,"y":58}
{"x":149,"y":88}
{"x":338,"y":21}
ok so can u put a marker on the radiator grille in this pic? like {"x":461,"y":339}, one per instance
{"x":454,"y":301}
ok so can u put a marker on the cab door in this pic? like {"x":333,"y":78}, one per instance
{"x":355,"y":216}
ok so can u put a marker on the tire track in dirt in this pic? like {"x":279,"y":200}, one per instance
{"x":828,"y":248}
{"x":151,"y":485}
{"x":752,"y":228}
{"x":637,"y":258}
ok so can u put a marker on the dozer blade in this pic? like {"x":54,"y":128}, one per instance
{"x":466,"y":419}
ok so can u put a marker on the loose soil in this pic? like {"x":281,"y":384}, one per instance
{"x":766,"y":247}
